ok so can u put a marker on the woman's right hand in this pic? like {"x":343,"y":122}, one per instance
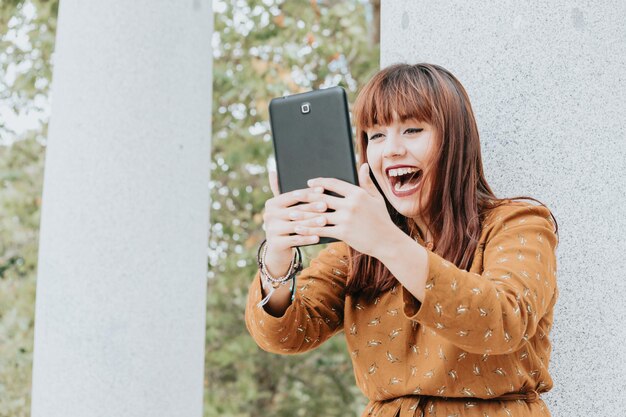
{"x":279,"y":221}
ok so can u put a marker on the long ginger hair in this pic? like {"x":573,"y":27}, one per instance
{"x":459,"y":197}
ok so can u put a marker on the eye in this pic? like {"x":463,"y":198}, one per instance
{"x":413,"y":130}
{"x":375,"y":136}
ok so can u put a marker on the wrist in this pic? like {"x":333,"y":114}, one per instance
{"x":273,"y":283}
{"x":277,"y":264}
{"x":407,"y":260}
{"x":395,"y":241}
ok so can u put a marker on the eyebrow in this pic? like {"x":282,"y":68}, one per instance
{"x":405,"y":120}
{"x":411,"y":119}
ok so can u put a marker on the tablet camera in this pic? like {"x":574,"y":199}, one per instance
{"x":305,"y":107}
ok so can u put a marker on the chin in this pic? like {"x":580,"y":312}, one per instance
{"x":409,"y":213}
{"x":407,"y":209}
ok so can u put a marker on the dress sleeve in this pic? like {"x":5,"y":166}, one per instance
{"x":316,"y":313}
{"x":497,"y":311}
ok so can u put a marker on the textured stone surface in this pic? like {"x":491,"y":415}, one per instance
{"x":548,"y":86}
{"x":120,"y":314}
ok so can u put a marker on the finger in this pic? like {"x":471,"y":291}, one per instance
{"x":281,"y":228}
{"x":340,"y":187}
{"x":322,"y":231}
{"x":318,"y":225}
{"x":290,"y":198}
{"x":273,"y":178}
{"x":296,"y":214}
{"x":319,"y":220}
{"x":306,"y":210}
{"x":294,"y":240}
{"x":366,"y":182}
{"x":331,"y":201}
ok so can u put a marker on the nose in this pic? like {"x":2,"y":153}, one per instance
{"x":393,"y":146}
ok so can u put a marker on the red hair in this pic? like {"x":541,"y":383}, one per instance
{"x":459,"y":198}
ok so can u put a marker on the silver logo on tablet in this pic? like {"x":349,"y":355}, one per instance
{"x":305,"y":107}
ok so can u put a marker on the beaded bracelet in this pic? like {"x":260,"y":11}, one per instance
{"x":294,"y":267}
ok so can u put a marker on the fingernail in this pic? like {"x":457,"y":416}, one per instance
{"x":320,"y":220}
{"x":297,"y":194}
{"x":319,"y":206}
{"x":309,"y":183}
{"x":294,"y":215}
{"x":318,"y":189}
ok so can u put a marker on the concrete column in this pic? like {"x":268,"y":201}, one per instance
{"x":548,"y":86}
{"x":120,"y":314}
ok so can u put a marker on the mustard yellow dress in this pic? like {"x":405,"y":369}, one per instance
{"x":476,"y":346}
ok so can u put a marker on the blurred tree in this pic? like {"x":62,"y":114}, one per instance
{"x":27,"y":30}
{"x":262,"y":49}
{"x":21,"y":168}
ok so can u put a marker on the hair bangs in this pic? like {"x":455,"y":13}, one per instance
{"x":393,"y":97}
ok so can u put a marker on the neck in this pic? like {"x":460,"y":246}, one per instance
{"x":423,"y":230}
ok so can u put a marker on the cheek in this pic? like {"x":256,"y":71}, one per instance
{"x":421,"y":150}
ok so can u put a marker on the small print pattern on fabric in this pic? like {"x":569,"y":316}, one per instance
{"x":478,"y":335}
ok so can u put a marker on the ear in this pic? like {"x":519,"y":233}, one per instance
{"x":366,"y":182}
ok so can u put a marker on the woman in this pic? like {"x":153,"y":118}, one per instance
{"x":445,"y":293}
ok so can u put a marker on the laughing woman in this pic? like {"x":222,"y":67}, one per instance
{"x":445,"y":292}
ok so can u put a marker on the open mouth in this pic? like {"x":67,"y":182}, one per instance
{"x":404,"y":179}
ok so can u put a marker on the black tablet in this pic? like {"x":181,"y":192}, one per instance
{"x":312,"y":138}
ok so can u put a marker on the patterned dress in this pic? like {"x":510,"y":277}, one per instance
{"x":476,"y":346}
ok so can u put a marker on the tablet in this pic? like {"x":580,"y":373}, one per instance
{"x":312,"y":138}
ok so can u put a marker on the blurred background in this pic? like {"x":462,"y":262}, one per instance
{"x":261,"y":49}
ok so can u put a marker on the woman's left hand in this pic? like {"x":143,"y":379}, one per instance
{"x":360,"y":218}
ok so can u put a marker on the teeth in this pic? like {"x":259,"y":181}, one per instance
{"x":401,"y":171}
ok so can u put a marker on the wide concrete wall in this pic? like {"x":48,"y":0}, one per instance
{"x":121,"y":287}
{"x":547,"y":82}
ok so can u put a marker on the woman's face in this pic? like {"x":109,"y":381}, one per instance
{"x":398,"y":155}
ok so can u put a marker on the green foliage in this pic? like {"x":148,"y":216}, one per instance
{"x":21,"y":168}
{"x":27,"y":30}
{"x":262,"y":52}
{"x":262,"y":49}
{"x":26,"y":44}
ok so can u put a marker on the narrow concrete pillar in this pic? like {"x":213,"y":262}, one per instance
{"x":121,"y":289}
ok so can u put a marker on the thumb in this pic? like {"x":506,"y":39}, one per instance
{"x":273,"y":178}
{"x":366,"y":182}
